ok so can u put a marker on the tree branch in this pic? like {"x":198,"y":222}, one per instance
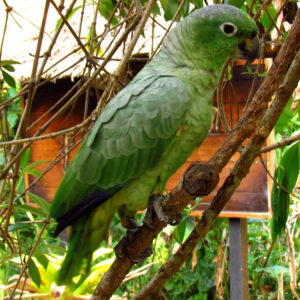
{"x":281,"y":144}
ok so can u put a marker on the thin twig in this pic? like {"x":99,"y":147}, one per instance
{"x":273,"y":178}
{"x":258,"y":278}
{"x":263,"y":7}
{"x":25,"y":116}
{"x":46,"y":222}
{"x":292,"y":261}
{"x":281,"y":144}
{"x":47,"y":54}
{"x":64,"y":19}
{"x":221,"y":110}
{"x":169,"y":27}
{"x":8,"y":9}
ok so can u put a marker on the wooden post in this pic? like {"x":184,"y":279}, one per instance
{"x":238,"y":259}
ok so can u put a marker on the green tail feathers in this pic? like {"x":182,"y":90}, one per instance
{"x":76,"y":252}
{"x":84,"y":240}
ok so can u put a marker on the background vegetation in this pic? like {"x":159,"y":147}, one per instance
{"x":30,"y":256}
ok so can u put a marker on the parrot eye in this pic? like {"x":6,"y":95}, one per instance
{"x":228,"y":29}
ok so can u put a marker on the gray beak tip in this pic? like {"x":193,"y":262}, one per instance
{"x":249,"y":48}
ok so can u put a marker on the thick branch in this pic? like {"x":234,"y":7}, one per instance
{"x":179,"y":198}
{"x":143,"y":238}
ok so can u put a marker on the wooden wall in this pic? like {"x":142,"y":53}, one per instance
{"x":45,"y":98}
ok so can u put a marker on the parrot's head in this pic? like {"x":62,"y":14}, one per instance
{"x":211,"y":34}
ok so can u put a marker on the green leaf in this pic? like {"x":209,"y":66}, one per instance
{"x":265,"y":19}
{"x":20,"y":226}
{"x":12,"y":119}
{"x":170,"y":8}
{"x":180,"y":231}
{"x":9,"y":62}
{"x":101,"y":252}
{"x":106,"y":8}
{"x":156,"y":10}
{"x":185,"y":9}
{"x":25,"y":158}
{"x":291,"y":161}
{"x":8,"y":79}
{"x":275,"y":271}
{"x":285,"y":118}
{"x":2,"y":160}
{"x":237,"y":3}
{"x":31,"y":209}
{"x":286,"y":175}
{"x":41,"y":258}
{"x":35,"y":173}
{"x":41,"y":202}
{"x":37,"y":163}
{"x":8,"y":68}
{"x":53,"y":247}
{"x":197,"y":3}
{"x":59,"y":21}
{"x":34,"y":272}
{"x":96,"y":272}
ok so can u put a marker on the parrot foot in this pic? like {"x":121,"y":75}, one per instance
{"x":120,"y":248}
{"x":155,"y":207}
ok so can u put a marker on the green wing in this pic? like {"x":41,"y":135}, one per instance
{"x":129,"y":136}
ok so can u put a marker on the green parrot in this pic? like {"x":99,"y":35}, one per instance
{"x":148,"y":130}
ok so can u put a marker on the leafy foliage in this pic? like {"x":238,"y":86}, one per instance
{"x":6,"y":66}
{"x":287,"y":170}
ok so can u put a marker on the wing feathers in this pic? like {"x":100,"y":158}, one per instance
{"x":130,"y":135}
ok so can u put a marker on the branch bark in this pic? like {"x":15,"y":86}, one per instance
{"x":179,"y":197}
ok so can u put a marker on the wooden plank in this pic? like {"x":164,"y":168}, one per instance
{"x":236,"y":214}
{"x":238,"y":256}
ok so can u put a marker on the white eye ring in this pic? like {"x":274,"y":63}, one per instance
{"x":228,"y":28}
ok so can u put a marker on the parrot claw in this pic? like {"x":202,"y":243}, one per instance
{"x":155,"y":207}
{"x":120,"y":248}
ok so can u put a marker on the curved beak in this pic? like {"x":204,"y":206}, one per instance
{"x":248,"y":49}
